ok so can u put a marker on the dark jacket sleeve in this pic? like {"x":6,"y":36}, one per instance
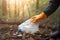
{"x":53,"y":5}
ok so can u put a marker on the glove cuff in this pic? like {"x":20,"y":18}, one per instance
{"x":43,"y":15}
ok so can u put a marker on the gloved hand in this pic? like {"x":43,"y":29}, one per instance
{"x":39,"y":17}
{"x":30,"y":26}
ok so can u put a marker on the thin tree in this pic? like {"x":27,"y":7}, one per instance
{"x":9,"y":6}
{"x":15,"y":9}
{"x":28,"y":9}
{"x":18,"y":8}
{"x":37,"y":4}
{"x":23,"y":4}
{"x":4,"y":7}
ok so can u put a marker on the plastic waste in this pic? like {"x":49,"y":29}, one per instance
{"x":28,"y":27}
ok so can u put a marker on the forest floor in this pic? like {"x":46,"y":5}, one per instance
{"x":10,"y":32}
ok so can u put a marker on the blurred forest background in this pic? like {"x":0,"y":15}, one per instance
{"x":17,"y":11}
{"x":14,"y":12}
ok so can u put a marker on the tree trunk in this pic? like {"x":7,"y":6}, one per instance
{"x":18,"y":8}
{"x":15,"y":9}
{"x":4,"y":7}
{"x":37,"y":4}
{"x":23,"y":10}
{"x":9,"y":8}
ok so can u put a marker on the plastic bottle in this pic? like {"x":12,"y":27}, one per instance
{"x":28,"y":27}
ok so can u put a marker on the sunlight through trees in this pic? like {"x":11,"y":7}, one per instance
{"x":21,"y":10}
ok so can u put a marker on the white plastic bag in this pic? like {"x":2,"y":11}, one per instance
{"x":28,"y":27}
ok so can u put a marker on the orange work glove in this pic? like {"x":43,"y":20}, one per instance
{"x":39,"y":17}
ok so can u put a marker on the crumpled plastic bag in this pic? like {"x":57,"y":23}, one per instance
{"x":29,"y":27}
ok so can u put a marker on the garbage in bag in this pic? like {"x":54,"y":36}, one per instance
{"x":28,"y":27}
